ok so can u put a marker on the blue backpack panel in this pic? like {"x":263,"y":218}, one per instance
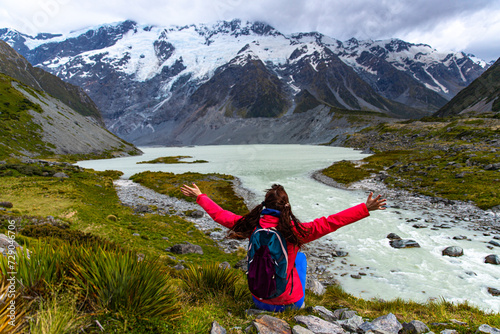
{"x":267,"y":263}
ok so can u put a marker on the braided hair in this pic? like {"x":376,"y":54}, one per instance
{"x":276,"y":198}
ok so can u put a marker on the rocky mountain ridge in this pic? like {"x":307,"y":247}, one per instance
{"x":35,"y":121}
{"x":482,"y":95}
{"x":151,"y":82}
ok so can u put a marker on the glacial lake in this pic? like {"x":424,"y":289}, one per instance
{"x":418,"y":274}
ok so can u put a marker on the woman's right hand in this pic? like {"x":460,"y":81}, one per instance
{"x":193,"y":191}
{"x":375,"y":203}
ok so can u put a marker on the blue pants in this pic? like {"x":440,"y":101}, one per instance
{"x":301,"y":266}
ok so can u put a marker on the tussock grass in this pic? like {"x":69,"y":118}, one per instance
{"x":211,"y":280}
{"x":57,"y":315}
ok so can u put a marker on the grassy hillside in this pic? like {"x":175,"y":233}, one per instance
{"x":17,"y":67}
{"x":34,"y":124}
{"x":450,"y":158}
{"x":18,"y":132}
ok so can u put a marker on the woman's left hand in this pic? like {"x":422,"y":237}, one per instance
{"x":375,"y":203}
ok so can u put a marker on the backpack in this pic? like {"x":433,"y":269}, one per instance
{"x":267,"y":263}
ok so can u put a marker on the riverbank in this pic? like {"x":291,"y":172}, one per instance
{"x":464,"y":214}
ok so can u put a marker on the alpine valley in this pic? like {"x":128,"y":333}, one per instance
{"x":245,"y":82}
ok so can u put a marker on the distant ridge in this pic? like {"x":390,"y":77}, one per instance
{"x":154,"y":84}
{"x":482,"y":95}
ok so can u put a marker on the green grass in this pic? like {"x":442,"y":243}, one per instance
{"x":89,"y":255}
{"x":18,"y":133}
{"x":172,"y":160}
{"x":419,"y":157}
{"x":218,"y":186}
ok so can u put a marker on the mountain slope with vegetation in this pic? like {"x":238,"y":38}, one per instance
{"x":35,"y":124}
{"x":17,"y":67}
{"x":482,"y":95}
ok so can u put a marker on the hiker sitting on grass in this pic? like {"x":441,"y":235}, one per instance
{"x":274,"y":291}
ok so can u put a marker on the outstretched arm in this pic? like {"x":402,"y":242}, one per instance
{"x":375,"y":203}
{"x":221,"y":216}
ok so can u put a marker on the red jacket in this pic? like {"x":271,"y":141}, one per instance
{"x":317,"y":228}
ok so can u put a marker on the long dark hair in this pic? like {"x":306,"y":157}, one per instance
{"x":276,"y":198}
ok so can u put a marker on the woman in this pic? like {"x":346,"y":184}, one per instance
{"x":275,"y":211}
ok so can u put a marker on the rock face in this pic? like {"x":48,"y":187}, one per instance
{"x":243,"y":75}
{"x":453,"y":251}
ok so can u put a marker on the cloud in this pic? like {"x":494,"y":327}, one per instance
{"x":450,"y":24}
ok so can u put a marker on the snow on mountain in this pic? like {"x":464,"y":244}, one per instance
{"x":142,"y":76}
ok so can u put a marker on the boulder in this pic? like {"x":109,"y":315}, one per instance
{"x":186,"y":248}
{"x":488,"y":329}
{"x":315,"y":287}
{"x":325,"y":313}
{"x":419,"y":225}
{"x":414,"y":327}
{"x":141,"y":208}
{"x":386,"y":324}
{"x":267,"y":324}
{"x":7,"y":243}
{"x":393,"y":236}
{"x":338,"y":253}
{"x":319,"y":326}
{"x":352,"y":324}
{"x":494,"y":292}
{"x":61,"y":175}
{"x":7,"y":205}
{"x":217,"y":329}
{"x":492,"y":258}
{"x":453,"y":251}
{"x":196,"y":214}
{"x":494,"y":243}
{"x":300,"y":330}
{"x":404,"y":243}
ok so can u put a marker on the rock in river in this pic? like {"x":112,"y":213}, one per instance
{"x":404,"y":243}
{"x":453,"y":251}
{"x":492,"y":258}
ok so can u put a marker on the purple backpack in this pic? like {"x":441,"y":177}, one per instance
{"x":267,"y":263}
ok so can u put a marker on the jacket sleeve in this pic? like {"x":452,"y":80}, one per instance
{"x":324,"y":225}
{"x":221,"y":216}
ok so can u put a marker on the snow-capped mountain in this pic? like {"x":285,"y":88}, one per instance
{"x":148,"y":79}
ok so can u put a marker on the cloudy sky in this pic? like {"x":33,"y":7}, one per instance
{"x":472,"y":26}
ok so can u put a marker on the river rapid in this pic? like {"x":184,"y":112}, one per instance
{"x":381,"y":271}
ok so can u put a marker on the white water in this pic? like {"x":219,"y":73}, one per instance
{"x":416,"y":273}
